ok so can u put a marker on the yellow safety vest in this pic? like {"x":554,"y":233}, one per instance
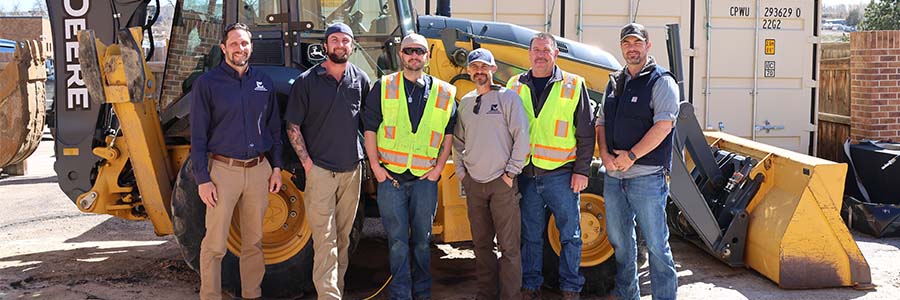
{"x":400,"y":149}
{"x":552,"y":132}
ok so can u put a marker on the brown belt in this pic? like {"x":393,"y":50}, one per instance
{"x":239,"y":163}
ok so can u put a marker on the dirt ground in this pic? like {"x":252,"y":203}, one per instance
{"x":50,"y":250}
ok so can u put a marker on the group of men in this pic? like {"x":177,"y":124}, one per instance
{"x":520,"y":149}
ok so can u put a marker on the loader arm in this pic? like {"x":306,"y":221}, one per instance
{"x":118,"y":75}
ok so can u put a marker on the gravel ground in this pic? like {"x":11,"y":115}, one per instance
{"x":50,"y":250}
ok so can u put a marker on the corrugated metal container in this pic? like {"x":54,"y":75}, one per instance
{"x":750,"y":70}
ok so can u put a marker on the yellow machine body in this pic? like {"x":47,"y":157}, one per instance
{"x":796,"y":236}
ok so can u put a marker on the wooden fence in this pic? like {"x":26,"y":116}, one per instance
{"x":834,"y":101}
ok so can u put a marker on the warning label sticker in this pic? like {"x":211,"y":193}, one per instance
{"x":770,"y":46}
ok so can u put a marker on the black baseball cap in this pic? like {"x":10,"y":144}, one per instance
{"x":635,"y":30}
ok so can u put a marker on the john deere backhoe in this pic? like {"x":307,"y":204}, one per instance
{"x":122,"y":140}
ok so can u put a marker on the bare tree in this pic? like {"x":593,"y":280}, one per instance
{"x":39,"y":8}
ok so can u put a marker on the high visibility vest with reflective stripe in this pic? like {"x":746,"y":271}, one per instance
{"x":400,"y":149}
{"x":552,"y":132}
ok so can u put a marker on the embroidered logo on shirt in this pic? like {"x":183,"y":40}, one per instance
{"x":260,"y":87}
{"x":495,"y":109}
{"x":634,"y":99}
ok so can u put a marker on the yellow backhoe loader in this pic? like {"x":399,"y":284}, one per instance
{"x":122,"y":140}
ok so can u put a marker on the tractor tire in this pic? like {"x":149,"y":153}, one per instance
{"x":289,"y":278}
{"x":599,"y":278}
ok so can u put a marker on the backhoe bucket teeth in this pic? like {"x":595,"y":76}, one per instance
{"x":22,"y":100}
{"x":795,"y":235}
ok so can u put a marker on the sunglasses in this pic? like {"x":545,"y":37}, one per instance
{"x":416,"y":50}
{"x":477,"y":107}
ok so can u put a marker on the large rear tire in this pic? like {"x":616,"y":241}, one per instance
{"x":598,"y":264}
{"x":287,"y":243}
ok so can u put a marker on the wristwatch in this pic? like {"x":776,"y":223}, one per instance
{"x":511,"y":175}
{"x":631,"y":156}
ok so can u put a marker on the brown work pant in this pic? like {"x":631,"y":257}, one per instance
{"x":247,"y":190}
{"x":494,"y":211}
{"x":331,"y":200}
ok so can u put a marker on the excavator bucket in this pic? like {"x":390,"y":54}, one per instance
{"x":795,"y":234}
{"x":22,"y":97}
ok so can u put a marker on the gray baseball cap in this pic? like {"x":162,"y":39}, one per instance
{"x":482,"y":55}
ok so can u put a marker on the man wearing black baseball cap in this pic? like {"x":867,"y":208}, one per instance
{"x":491,"y":142}
{"x":634,"y":134}
{"x":323,"y":128}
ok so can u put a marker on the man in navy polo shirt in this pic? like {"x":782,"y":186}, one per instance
{"x":634,"y":134}
{"x":236,"y":155}
{"x":323,"y":127}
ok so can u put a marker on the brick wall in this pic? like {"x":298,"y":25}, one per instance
{"x":187,"y":43}
{"x":875,"y":85}
{"x":21,"y":28}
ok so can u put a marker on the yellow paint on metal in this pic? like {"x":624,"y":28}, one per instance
{"x":177,"y":155}
{"x":285,"y":230}
{"x":595,"y":246}
{"x":796,"y":236}
{"x":70,"y":151}
{"x":106,"y":195}
{"x":140,"y":123}
{"x":515,"y":60}
{"x":451,"y":221}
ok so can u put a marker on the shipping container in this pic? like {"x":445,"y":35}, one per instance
{"x":750,"y":66}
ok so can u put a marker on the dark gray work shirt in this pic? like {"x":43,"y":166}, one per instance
{"x":327,"y":111}
{"x":235,"y":116}
{"x":416,"y":100}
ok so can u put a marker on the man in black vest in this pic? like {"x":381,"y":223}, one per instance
{"x":634,"y":133}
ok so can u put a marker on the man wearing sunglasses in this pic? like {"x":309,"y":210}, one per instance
{"x":409,"y":120}
{"x":562,"y":143}
{"x":491,"y":143}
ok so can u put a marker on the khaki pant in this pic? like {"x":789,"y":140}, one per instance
{"x":331,"y":200}
{"x":493,"y":209}
{"x":247,"y":190}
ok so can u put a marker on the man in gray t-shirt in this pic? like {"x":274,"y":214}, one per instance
{"x":491,"y":141}
{"x":634,"y":134}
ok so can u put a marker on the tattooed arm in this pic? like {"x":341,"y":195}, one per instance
{"x":299,"y":145}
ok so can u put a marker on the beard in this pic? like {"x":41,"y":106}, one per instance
{"x":481,"y":79}
{"x":634,"y":58}
{"x":410,"y":67}
{"x":238,"y":59}
{"x":338,"y":58}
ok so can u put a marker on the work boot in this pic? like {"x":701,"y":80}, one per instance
{"x":531,"y":294}
{"x":567,"y":295}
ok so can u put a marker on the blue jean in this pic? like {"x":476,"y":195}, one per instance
{"x":407,"y":213}
{"x":644,"y":199}
{"x":554,"y":192}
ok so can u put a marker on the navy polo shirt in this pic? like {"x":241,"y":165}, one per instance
{"x":234,"y":116}
{"x":327,"y":111}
